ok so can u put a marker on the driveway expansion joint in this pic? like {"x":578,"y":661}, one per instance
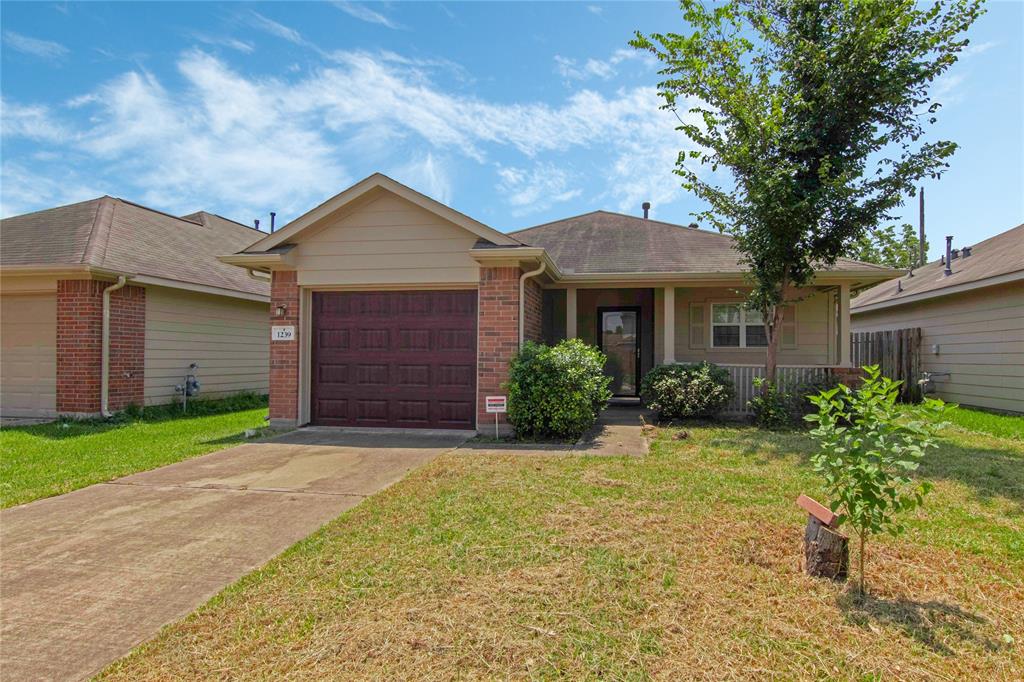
{"x":243,"y":489}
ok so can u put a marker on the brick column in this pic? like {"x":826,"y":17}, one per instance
{"x":127,"y":347}
{"x":498,"y":336}
{"x":284,"y":355}
{"x":80,"y":346}
{"x":533,"y":326}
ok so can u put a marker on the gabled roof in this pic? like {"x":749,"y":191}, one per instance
{"x":119,"y":236}
{"x":993,"y":261}
{"x":374,"y":183}
{"x":602,"y":242}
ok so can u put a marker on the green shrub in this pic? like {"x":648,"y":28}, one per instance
{"x":556,"y":391}
{"x":772,"y":408}
{"x":777,"y":410}
{"x":868,"y":448}
{"x":678,"y":391}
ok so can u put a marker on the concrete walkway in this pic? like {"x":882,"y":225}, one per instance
{"x":86,"y":576}
{"x":618,"y":432}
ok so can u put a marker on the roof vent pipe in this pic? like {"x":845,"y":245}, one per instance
{"x":256,"y":223}
{"x":965,"y":252}
{"x":272,"y":217}
{"x":949,"y":257}
{"x":899,"y":286}
{"x":647,"y":207}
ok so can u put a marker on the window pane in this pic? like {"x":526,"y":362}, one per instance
{"x":753,"y":317}
{"x":725,"y":314}
{"x":756,"y":336}
{"x":727,"y":335}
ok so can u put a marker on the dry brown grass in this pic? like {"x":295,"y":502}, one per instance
{"x":681,"y":565}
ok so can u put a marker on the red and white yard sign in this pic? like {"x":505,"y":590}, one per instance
{"x":496,"y":404}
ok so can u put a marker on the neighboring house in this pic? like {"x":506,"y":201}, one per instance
{"x":971,"y":320}
{"x":178,"y":305}
{"x":391,"y":309}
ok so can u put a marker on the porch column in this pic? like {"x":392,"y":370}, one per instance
{"x":570,"y":313}
{"x":844,"y":325}
{"x":669,"y":317}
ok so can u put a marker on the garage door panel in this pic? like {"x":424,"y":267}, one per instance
{"x":414,"y":340}
{"x":398,"y":359}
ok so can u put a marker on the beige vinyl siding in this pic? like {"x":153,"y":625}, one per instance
{"x":814,"y":318}
{"x":980,"y":335}
{"x":228,"y":338}
{"x":386,"y":241}
{"x":28,"y":356}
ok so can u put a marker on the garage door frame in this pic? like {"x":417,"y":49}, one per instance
{"x":305,"y":329}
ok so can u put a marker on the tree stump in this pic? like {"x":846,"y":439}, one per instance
{"x":826,"y":552}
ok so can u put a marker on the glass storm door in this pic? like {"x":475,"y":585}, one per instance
{"x":619,"y":338}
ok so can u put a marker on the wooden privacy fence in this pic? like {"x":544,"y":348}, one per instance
{"x":897,"y":352}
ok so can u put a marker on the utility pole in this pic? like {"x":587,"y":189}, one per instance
{"x":920,"y":236}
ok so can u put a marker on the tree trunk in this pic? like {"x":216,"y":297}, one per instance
{"x":773,"y":330}
{"x":827,"y":553}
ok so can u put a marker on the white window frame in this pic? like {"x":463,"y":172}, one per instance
{"x":742,"y":325}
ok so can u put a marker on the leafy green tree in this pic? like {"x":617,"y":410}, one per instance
{"x":818,"y":108}
{"x":885,"y":247}
{"x":868,"y":448}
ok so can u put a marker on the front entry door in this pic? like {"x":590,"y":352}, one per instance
{"x":618,"y":335}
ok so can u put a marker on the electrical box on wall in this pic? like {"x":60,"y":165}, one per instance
{"x":935,"y":349}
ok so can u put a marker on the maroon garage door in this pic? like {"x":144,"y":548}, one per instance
{"x":395,"y":358}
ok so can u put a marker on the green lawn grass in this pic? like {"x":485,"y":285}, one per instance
{"x":683,"y":564}
{"x":50,"y":459}
{"x":1002,"y":425}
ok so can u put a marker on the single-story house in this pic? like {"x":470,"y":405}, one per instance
{"x":390,"y":309}
{"x":970,"y":308}
{"x":169,"y":301}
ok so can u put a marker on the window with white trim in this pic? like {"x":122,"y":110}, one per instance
{"x":734,"y":326}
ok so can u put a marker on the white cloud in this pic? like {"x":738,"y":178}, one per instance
{"x":272,"y":27}
{"x":364,"y":13}
{"x":225,"y":41}
{"x":595,"y":9}
{"x":427,"y":175}
{"x":227,"y":139}
{"x":46,"y":49}
{"x":24,"y":190}
{"x":596,"y":68}
{"x":244,"y":145}
{"x":33,"y":122}
{"x":536,"y":188}
{"x":978,"y":48}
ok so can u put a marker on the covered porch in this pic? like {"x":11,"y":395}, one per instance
{"x":640,"y":327}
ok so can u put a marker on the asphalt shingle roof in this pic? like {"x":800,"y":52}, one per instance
{"x":999,"y":255}
{"x":118,"y":235}
{"x":605,"y":242}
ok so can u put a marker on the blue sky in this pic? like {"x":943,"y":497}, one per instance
{"x":515,"y":113}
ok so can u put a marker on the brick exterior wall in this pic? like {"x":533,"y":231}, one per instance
{"x":497,"y":335}
{"x":127,"y":347}
{"x":533,"y":328}
{"x":80,"y":342}
{"x":851,"y":376}
{"x":284,"y":355}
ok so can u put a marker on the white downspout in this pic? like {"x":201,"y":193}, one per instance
{"x":522,"y":298}
{"x":105,"y":349}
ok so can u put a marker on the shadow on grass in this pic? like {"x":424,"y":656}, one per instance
{"x":989,"y":471}
{"x":932,"y":623}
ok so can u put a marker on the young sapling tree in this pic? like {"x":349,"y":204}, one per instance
{"x":868,"y":448}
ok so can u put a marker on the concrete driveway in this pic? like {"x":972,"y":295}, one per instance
{"x":86,"y":576}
